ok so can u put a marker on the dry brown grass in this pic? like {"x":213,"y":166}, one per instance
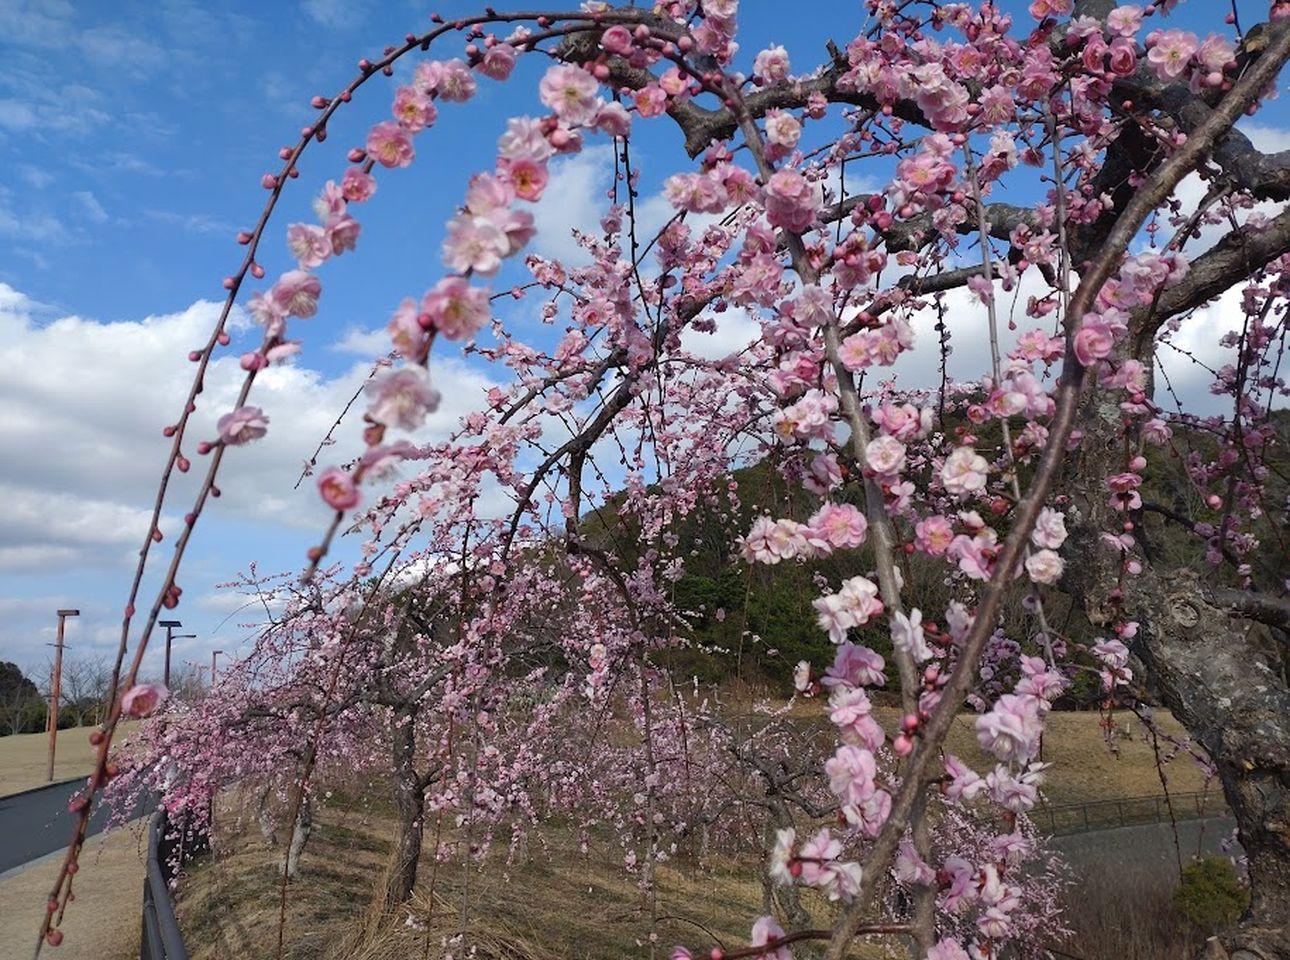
{"x":103,"y":922}
{"x":24,"y":757}
{"x":552,"y":902}
{"x":555,"y":902}
{"x":1118,"y":913}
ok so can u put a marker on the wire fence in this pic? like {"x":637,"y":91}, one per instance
{"x":1069,"y":818}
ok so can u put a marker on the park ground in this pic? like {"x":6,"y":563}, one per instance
{"x":555,"y":900}
{"x":103,"y":923}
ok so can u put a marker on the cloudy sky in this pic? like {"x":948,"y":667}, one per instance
{"x":132,"y":140}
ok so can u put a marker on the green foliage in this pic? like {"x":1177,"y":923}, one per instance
{"x":1211,"y":894}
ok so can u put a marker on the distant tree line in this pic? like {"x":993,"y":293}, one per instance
{"x":24,"y":705}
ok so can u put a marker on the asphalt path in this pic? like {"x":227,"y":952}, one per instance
{"x":1148,"y":847}
{"x":36,"y":822}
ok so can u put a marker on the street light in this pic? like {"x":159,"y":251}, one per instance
{"x":53,"y":696}
{"x":171,"y":635}
{"x":214,"y":654}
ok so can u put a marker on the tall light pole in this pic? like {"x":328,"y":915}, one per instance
{"x":214,"y":654}
{"x":55,"y":689}
{"x":171,"y":635}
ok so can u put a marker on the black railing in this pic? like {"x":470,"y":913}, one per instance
{"x":1127,"y":811}
{"x":168,"y":850}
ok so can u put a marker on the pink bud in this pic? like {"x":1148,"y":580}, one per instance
{"x":268,"y":181}
{"x":356,"y":155}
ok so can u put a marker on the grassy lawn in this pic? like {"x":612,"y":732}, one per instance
{"x":103,"y":923}
{"x":24,"y":757}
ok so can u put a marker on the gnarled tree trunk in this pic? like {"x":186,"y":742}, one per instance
{"x":1222,"y":677}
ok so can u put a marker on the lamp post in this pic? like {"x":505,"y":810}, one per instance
{"x":214,"y":654}
{"x":55,"y":689}
{"x":171,"y":635}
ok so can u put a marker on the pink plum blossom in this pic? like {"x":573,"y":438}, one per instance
{"x":791,"y":201}
{"x":143,"y":698}
{"x":402,"y":398}
{"x":765,"y":933}
{"x":771,"y":64}
{"x":570,"y":92}
{"x":840,"y":525}
{"x":296,"y":294}
{"x":390,"y":145}
{"x":338,"y":489}
{"x":1045,"y":566}
{"x":854,"y":665}
{"x":413,"y":109}
{"x":1010,"y":730}
{"x":357,"y":185}
{"x":456,"y":309}
{"x":498,"y":61}
{"x":456,"y":83}
{"x":1093,"y":341}
{"x":907,"y":635}
{"x":1170,"y":51}
{"x":885,"y":455}
{"x":242,"y":425}
{"x":308,"y":244}
{"x":527,"y":177}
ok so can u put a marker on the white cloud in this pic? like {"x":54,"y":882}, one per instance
{"x":91,"y":206}
{"x":735,"y":329}
{"x":332,"y":13}
{"x":201,"y":224}
{"x":1266,"y":138}
{"x":574,"y":199}
{"x":363,"y":343}
{"x":86,"y":401}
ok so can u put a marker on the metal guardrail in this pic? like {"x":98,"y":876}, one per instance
{"x":160,"y":937}
{"x":1127,"y":811}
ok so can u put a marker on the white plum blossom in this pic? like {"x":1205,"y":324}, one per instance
{"x":1050,"y":529}
{"x":964,"y":472}
{"x":1045,"y":566}
{"x":885,"y":455}
{"x":907,"y":635}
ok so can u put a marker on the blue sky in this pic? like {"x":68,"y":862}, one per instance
{"x":132,"y":140}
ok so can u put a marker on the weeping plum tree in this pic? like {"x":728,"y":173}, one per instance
{"x":1051,"y":152}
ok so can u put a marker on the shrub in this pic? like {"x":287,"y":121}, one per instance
{"x":1211,"y":895}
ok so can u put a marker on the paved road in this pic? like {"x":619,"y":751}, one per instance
{"x":36,"y":822}
{"x":1148,"y":847}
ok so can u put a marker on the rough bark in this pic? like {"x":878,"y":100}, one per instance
{"x":1227,"y":687}
{"x":409,"y":797}
{"x":304,"y":826}
{"x":264,"y":816}
{"x":1221,"y":676}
